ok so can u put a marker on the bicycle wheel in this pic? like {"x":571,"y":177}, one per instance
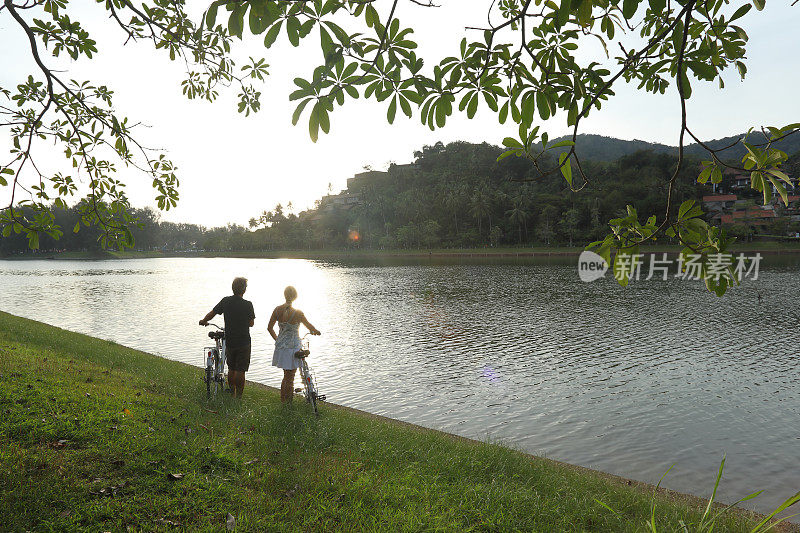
{"x":311,"y":391}
{"x":216,"y":374}
{"x":209,"y":377}
{"x":312,"y":395}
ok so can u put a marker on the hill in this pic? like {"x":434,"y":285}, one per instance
{"x":602,"y":148}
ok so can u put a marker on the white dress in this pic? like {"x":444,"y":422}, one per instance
{"x":287,"y":343}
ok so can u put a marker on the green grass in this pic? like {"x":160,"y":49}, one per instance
{"x":91,"y":431}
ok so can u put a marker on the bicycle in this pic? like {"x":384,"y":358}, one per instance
{"x":215,"y":361}
{"x":309,"y":388}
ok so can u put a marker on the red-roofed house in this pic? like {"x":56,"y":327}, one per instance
{"x":719,"y":202}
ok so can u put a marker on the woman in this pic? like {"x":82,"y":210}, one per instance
{"x":287,"y":341}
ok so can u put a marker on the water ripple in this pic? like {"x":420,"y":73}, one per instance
{"x":625,"y":380}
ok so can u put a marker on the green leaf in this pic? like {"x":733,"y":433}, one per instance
{"x":543,"y":105}
{"x":77,"y":227}
{"x":562,"y":15}
{"x":298,"y":110}
{"x":511,"y":142}
{"x":371,"y":16}
{"x":272,"y":34}
{"x":629,"y":8}
{"x":572,"y":115}
{"x":705,"y":174}
{"x":313,"y":123}
{"x":559,"y":144}
{"x":780,"y":174}
{"x":739,"y":13}
{"x":684,"y":208}
{"x":236,"y":21}
{"x":491,"y":101}
{"x":503,"y":113}
{"x":441,"y":115}
{"x":472,"y":107}
{"x":765,"y":190}
{"x":326,"y":43}
{"x":528,"y":108}
{"x":780,"y":188}
{"x":677,"y":35}
{"x":718,"y":287}
{"x":686,"y":87}
{"x":257,"y":24}
{"x":566,"y":169}
{"x":524,"y":137}
{"x":7,"y":230}
{"x":585,"y":14}
{"x":405,"y":106}
{"x":33,"y":240}
{"x":464,"y":101}
{"x":698,"y":225}
{"x":293,"y":30}
{"x":507,"y":153}
{"x":390,"y":113}
{"x":622,"y":267}
{"x":306,"y":27}
{"x":324,"y":120}
{"x":211,"y":15}
{"x":759,"y":4}
{"x":658,"y":5}
{"x":340,"y":34}
{"x":703,"y":71}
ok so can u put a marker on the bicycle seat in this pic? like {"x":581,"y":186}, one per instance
{"x":302,"y":354}
{"x":216,"y":334}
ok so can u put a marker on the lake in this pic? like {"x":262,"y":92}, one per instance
{"x":624,"y":380}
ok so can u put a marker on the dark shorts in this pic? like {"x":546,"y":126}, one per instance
{"x":238,"y":358}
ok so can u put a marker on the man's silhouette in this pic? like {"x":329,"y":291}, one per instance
{"x":239,"y":318}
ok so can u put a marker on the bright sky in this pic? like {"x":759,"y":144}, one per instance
{"x":232,"y":167}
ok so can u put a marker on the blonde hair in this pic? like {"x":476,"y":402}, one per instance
{"x":239,"y":285}
{"x":290,"y":293}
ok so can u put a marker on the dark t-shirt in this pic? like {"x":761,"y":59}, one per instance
{"x":238,"y":313}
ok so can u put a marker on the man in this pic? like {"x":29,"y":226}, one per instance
{"x":239,"y":318}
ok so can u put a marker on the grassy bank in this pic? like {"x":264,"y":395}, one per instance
{"x":764,"y":247}
{"x":96,"y":436}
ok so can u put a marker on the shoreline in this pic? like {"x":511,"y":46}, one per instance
{"x":105,"y":358}
{"x":447,"y":253}
{"x":641,"y":486}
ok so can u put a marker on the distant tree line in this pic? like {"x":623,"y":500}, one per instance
{"x":150,"y":233}
{"x":458,"y":195}
{"x":455,"y":195}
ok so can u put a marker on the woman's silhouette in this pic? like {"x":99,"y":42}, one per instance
{"x":287,"y":341}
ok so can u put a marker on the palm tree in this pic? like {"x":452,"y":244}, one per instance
{"x":452,"y":201}
{"x":569,"y":222}
{"x":548,"y":215}
{"x":519,"y":215}
{"x":480,"y":207}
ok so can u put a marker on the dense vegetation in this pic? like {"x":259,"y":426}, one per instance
{"x":99,"y":437}
{"x":456,"y":195}
{"x":601,"y":148}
